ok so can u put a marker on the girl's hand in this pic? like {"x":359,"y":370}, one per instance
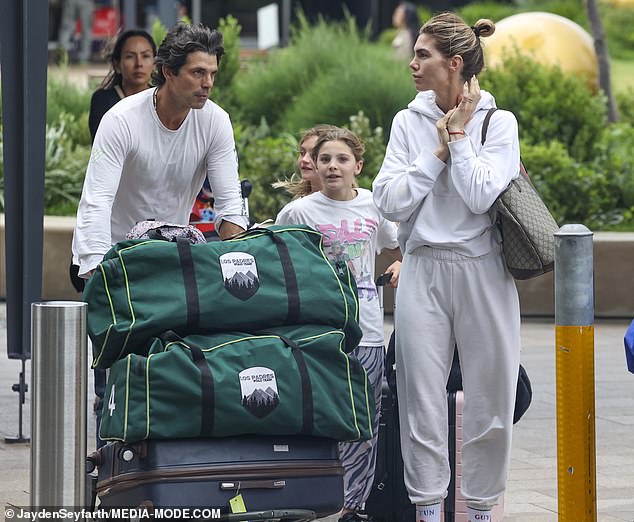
{"x":467,"y":104}
{"x":395,"y":268}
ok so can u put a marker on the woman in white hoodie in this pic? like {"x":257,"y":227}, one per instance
{"x":439,"y":182}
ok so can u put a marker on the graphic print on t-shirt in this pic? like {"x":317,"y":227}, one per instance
{"x":349,"y":243}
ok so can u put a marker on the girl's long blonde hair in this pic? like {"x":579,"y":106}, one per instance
{"x":296,"y":185}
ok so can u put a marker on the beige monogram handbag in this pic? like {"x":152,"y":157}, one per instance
{"x":526,"y":225}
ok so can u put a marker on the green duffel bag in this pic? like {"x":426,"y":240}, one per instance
{"x":264,"y":278}
{"x":293,"y":380}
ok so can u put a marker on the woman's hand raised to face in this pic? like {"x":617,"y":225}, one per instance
{"x":467,"y":104}
{"x":442,"y":152}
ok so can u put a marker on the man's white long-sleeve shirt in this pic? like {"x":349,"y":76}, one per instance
{"x":139,"y":169}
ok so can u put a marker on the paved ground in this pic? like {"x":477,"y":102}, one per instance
{"x":532,"y":487}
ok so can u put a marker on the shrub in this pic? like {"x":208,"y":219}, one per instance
{"x":618,"y":22}
{"x":549,"y":104}
{"x":614,"y":155}
{"x":159,"y":31}
{"x":625,"y":104}
{"x":472,"y":12}
{"x":265,"y":159}
{"x":572,"y":9}
{"x":64,"y":97}
{"x":374,"y":141}
{"x":266,"y":89}
{"x":574,"y":192}
{"x":387,"y":36}
{"x":65,"y":167}
{"x":223,"y":92}
{"x":374,"y":83}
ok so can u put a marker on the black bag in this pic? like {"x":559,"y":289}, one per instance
{"x":523,"y":395}
{"x":388,"y":500}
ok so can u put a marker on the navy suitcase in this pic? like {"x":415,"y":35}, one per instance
{"x":270,"y":472}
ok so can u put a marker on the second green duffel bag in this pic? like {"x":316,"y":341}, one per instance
{"x":294,"y":380}
{"x":264,"y":278}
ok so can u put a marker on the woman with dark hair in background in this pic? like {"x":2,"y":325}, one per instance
{"x":131,"y":64}
{"x":405,"y":18}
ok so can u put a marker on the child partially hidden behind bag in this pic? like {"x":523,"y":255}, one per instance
{"x":354,"y":232}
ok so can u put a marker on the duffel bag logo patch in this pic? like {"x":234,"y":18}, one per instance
{"x":240,"y":274}
{"x":259,"y":390}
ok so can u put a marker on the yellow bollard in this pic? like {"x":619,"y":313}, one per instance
{"x":574,"y":339}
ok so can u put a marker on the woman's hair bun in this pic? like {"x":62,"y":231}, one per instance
{"x":484,"y":27}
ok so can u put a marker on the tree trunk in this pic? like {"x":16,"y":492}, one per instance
{"x":601,"y":48}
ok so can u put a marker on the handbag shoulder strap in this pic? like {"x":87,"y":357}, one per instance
{"x":485,"y":123}
{"x":485,"y":126}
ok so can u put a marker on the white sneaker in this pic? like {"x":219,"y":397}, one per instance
{"x":477,"y":515}
{"x":430,"y":513}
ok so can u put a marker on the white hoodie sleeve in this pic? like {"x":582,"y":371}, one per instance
{"x":480,"y":177}
{"x":401,"y":184}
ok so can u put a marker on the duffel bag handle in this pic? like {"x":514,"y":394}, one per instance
{"x":290,"y":277}
{"x":189,"y":280}
{"x":307,"y":387}
{"x":206,"y":382}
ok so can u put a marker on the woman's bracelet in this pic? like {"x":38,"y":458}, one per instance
{"x":456,"y":133}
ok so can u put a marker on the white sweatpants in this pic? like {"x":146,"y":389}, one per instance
{"x":445,"y":298}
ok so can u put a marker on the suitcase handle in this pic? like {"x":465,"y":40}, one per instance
{"x":253,"y":484}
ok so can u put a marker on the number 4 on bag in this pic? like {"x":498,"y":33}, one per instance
{"x":111,"y":403}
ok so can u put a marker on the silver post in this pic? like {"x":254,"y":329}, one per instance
{"x":574,"y":283}
{"x":58,"y":412}
{"x":574,"y":362}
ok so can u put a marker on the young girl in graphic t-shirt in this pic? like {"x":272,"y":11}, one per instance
{"x":353,"y":231}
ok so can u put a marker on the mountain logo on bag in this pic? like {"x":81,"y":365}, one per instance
{"x":240,"y":274}
{"x":259,"y":390}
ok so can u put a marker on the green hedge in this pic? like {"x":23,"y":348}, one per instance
{"x":549,"y":105}
{"x":328,"y":73}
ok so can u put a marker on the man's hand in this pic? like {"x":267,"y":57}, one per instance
{"x":228,"y":229}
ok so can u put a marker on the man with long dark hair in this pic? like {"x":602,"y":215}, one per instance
{"x":153,"y":150}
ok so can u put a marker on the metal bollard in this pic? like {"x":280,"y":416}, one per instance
{"x":574,"y":339}
{"x":58,"y":412}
